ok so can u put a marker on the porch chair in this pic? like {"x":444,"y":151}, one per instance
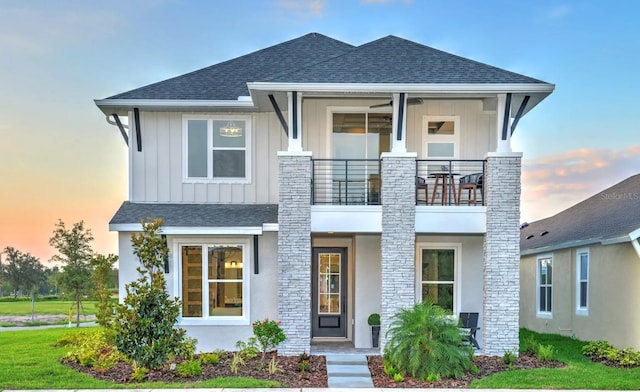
{"x":468,"y":322}
{"x":470,"y":182}
{"x":421,"y":183}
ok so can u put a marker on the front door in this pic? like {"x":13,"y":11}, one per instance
{"x":329,"y":292}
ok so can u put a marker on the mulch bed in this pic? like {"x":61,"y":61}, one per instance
{"x":487,"y":365}
{"x":288,"y":375}
{"x":315,"y":376}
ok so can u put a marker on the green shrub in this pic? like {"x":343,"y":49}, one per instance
{"x":273,"y":366}
{"x":545,"y":353}
{"x":424,"y":341}
{"x":236,"y":362}
{"x":398,"y":377}
{"x":247,"y":349}
{"x":268,"y":335}
{"x":144,"y":323}
{"x":509,"y":358}
{"x":529,"y":345}
{"x":373,"y":319}
{"x":91,"y":349}
{"x":389,"y":370}
{"x":139,"y":373}
{"x":604,"y":350}
{"x":433,"y":377}
{"x":189,"y":368}
{"x":210,"y":358}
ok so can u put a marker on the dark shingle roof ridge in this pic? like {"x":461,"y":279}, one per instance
{"x":603,"y":216}
{"x":225,"y":62}
{"x":466,"y":59}
{"x":340,"y":68}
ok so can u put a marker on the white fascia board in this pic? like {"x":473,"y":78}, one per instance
{"x":175,"y":230}
{"x":405,"y":87}
{"x":105,"y":104}
{"x":270,"y":227}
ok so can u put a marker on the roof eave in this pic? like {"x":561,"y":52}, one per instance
{"x":619,"y":239}
{"x":123,"y":106}
{"x":181,"y":230}
{"x":429,"y":88}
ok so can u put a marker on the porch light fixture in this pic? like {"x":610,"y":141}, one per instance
{"x":231,"y":130}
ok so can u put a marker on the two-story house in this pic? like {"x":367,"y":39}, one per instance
{"x":318,"y":182}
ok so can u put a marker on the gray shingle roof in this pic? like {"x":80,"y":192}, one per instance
{"x":228,"y":80}
{"x":315,"y":58}
{"x":396,"y":60}
{"x":198,"y":215}
{"x":610,"y":214}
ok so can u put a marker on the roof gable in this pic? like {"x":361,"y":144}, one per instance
{"x":610,"y":214}
{"x":228,"y":80}
{"x":396,"y":60}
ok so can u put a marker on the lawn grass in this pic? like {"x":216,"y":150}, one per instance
{"x":29,"y":360}
{"x":23,"y":308}
{"x":580,"y":372}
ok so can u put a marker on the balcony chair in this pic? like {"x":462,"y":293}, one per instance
{"x":470,"y":182}
{"x":468,"y":322}
{"x":421,"y":183}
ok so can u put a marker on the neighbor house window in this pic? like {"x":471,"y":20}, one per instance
{"x":545,"y":280}
{"x":438,"y":276}
{"x":214,"y":281}
{"x":217,"y":148}
{"x":582,"y":281}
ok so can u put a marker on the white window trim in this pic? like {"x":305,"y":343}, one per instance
{"x":457,"y":287}
{"x":216,"y":180}
{"x":455,"y":138}
{"x":347,"y":109}
{"x":582,"y":311}
{"x":540,"y":314}
{"x":246,"y":273}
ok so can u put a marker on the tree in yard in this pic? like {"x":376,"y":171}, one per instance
{"x":143,"y":325}
{"x":75,"y":253}
{"x":102,"y":278}
{"x":24,"y":272}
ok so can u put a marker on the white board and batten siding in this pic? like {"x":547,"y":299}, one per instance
{"x":157,"y":172}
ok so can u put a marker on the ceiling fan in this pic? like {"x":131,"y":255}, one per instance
{"x":410,"y":101}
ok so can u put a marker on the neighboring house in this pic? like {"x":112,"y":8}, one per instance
{"x":311,"y":181}
{"x":580,"y":269}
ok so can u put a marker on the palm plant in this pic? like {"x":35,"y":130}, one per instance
{"x":424,"y":342}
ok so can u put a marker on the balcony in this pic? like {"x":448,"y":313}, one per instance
{"x":357,"y":182}
{"x":345,"y":182}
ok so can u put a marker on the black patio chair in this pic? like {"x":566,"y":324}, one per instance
{"x":468,"y":321}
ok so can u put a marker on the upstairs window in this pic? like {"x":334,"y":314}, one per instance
{"x":217,"y":148}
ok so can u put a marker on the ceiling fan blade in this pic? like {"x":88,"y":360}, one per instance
{"x":381,"y":105}
{"x":410,"y":101}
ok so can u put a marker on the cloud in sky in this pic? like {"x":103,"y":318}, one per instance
{"x":304,"y":8}
{"x":553,"y":183}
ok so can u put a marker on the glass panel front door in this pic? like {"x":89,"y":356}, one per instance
{"x":329,"y":292}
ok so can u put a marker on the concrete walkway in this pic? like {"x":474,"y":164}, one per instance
{"x":348,"y":371}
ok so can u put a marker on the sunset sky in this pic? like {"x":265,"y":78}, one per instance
{"x":59,"y":159}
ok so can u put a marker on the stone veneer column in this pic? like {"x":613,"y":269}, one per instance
{"x":501,"y":276}
{"x":398,"y":236}
{"x":294,"y":251}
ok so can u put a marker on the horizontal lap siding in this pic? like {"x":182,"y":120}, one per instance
{"x":157,"y":171}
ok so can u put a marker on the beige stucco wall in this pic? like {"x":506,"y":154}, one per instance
{"x":614,"y":296}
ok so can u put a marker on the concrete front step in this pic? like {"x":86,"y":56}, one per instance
{"x":350,"y":382}
{"x":348,"y":371}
